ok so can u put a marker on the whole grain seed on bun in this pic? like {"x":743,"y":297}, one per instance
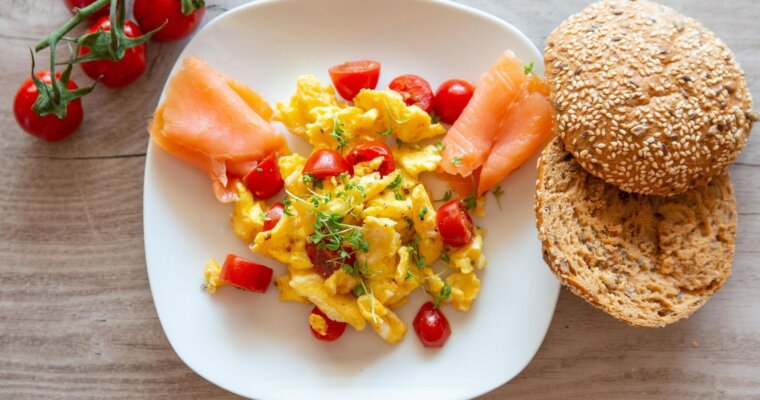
{"x":646,"y":260}
{"x":645,"y":98}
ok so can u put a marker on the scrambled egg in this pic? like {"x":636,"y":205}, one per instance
{"x":380,"y":229}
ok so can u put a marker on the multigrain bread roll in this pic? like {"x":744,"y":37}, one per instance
{"x":646,"y":260}
{"x":646,"y":99}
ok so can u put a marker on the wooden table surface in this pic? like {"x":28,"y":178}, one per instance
{"x":76,"y":315}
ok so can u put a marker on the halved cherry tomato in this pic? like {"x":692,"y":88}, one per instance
{"x":49,"y":127}
{"x":415,"y":91}
{"x":264,"y":180}
{"x":335,"y":329}
{"x":245,"y":274}
{"x":451,"y":98}
{"x":369,"y":151}
{"x":72,"y":4}
{"x":454,"y":223}
{"x":326,"y":261}
{"x":151,"y":14}
{"x":352,"y":76}
{"x":325,"y":163}
{"x":273,"y":216}
{"x":431,"y":326}
{"x":119,"y":73}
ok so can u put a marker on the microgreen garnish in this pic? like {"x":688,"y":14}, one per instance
{"x":456,"y":161}
{"x":396,"y":182}
{"x":528,"y":68}
{"x":445,"y":257}
{"x":471,"y":201}
{"x":409,"y":275}
{"x":497,"y":193}
{"x":286,"y":210}
{"x":422,"y":213}
{"x":259,"y":170}
{"x":386,"y":132}
{"x":434,"y":119}
{"x":443,"y":295}
{"x":399,"y":196}
{"x":338,"y":133}
{"x":359,"y":291}
{"x":446,"y":197}
{"x":439,"y":147}
{"x":308,"y":179}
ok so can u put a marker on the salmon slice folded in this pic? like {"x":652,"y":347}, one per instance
{"x":526,"y":130}
{"x":215,"y":124}
{"x":470,"y":139}
{"x":507,"y":120}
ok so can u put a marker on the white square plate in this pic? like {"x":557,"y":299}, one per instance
{"x":256,"y":346}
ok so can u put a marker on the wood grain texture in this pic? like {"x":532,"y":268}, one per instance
{"x":76,"y":315}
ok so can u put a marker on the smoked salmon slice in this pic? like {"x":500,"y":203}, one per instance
{"x":526,"y":129}
{"x":216,"y":124}
{"x":471,"y":137}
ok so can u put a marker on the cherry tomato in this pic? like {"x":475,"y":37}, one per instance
{"x":352,"y":76}
{"x":451,"y":98}
{"x":72,"y":4}
{"x":120,"y":73}
{"x":325,"y":163}
{"x":245,"y":274}
{"x":326,"y":261}
{"x":273,"y":216}
{"x":368,"y":151}
{"x":49,"y":127}
{"x":454,"y":223}
{"x":150,"y":14}
{"x":335,"y":329}
{"x":414,"y":90}
{"x":264,"y":180}
{"x":431,"y":326}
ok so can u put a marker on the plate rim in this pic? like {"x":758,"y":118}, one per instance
{"x":150,"y":160}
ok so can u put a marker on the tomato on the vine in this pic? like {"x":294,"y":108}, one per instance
{"x":72,"y":4}
{"x":451,"y":98}
{"x":151,"y":14}
{"x":120,"y":73}
{"x":415,"y":91}
{"x":352,"y":76}
{"x":49,"y":127}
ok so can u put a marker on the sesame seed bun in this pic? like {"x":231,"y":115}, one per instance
{"x":646,"y":99}
{"x":646,"y":260}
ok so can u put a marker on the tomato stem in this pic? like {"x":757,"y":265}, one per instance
{"x":81,"y":14}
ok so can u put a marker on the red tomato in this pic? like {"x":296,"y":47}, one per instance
{"x":49,"y":127}
{"x":273,"y":216}
{"x":335,"y":329}
{"x":454,"y":223}
{"x":451,"y":98}
{"x":120,"y":73}
{"x":352,"y":76}
{"x":245,"y":274}
{"x":72,"y":4}
{"x":264,"y":181}
{"x":414,"y":90}
{"x":150,"y":14}
{"x":326,"y":261}
{"x":325,"y":163}
{"x":431,"y":326}
{"x":369,"y":151}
